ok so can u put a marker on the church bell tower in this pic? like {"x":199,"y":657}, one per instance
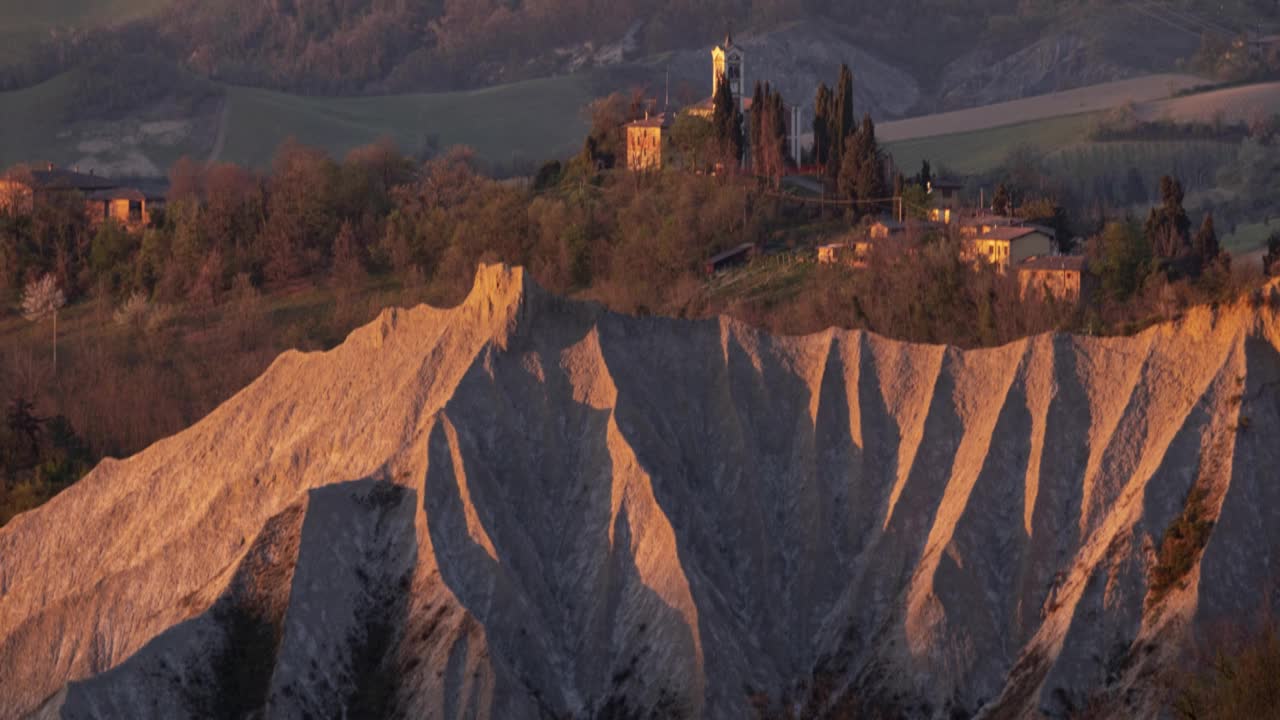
{"x":727,"y":61}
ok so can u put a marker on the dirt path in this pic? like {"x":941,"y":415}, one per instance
{"x":220,"y":141}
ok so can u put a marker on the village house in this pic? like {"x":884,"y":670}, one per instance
{"x":945,"y":195}
{"x":853,"y":253}
{"x":1006,"y":247}
{"x":130,"y":207}
{"x":22,"y":191}
{"x":885,"y":229}
{"x":1063,"y":278}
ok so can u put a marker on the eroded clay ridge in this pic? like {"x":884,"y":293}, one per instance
{"x":527,"y":507}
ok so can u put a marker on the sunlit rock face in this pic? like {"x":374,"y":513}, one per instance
{"x":528,"y":507}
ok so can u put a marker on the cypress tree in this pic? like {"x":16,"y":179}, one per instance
{"x":778,"y":108}
{"x":822,"y":126}
{"x":1001,"y":204}
{"x":727,"y":121}
{"x":1168,"y":228}
{"x":842,"y":122}
{"x":757,"y":127}
{"x":870,"y":180}
{"x":1205,"y":245}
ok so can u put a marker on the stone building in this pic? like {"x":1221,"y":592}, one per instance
{"x":648,"y":141}
{"x":1064,"y":278}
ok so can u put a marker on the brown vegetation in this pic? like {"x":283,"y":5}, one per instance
{"x":167,"y":322}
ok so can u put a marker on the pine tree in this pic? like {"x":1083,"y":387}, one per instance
{"x":926,"y":174}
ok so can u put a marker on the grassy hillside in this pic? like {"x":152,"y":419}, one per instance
{"x":1093,"y":98}
{"x":981,"y":151}
{"x":523,"y":122}
{"x":1231,"y":105}
{"x":35,"y":127}
{"x":23,"y":14}
{"x":23,"y":22}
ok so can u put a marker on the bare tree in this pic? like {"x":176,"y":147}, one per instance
{"x":41,"y":299}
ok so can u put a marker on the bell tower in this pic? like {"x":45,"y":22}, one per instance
{"x":727,"y":61}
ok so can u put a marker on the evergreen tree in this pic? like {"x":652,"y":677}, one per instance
{"x":1271,"y":261}
{"x":926,"y":175}
{"x":1001,"y":203}
{"x":1168,"y":228}
{"x":822,"y":125}
{"x":850,"y":169}
{"x":727,"y":121}
{"x":778,"y":111}
{"x":756,"y":128}
{"x":870,"y":179}
{"x":1205,"y":247}
{"x":842,"y":122}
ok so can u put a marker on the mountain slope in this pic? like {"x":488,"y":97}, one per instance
{"x":526,"y":506}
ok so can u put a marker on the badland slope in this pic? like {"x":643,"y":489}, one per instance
{"x":529,"y":507}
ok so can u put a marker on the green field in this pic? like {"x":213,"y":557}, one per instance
{"x":984,"y":150}
{"x":1248,"y":238}
{"x":521,"y":123}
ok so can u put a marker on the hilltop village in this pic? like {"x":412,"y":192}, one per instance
{"x":890,"y":215}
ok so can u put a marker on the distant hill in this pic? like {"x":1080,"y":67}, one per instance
{"x":341,"y":73}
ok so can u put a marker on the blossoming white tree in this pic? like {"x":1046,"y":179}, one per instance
{"x":41,"y":299}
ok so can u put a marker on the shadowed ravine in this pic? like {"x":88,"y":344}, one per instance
{"x":527,"y":507}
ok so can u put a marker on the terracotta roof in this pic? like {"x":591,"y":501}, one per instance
{"x":1009,"y":233}
{"x":59,"y":179}
{"x":132,"y":194}
{"x":990,"y":219}
{"x":1063,"y":263}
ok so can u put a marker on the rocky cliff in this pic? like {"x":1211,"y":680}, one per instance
{"x":528,"y":507}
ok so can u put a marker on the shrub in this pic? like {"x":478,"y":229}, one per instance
{"x":1185,"y":537}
